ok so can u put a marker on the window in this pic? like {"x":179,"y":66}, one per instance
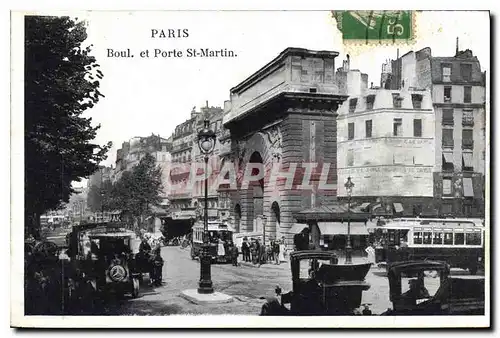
{"x":416,"y":100}
{"x":368,"y":128}
{"x":417,"y":238}
{"x":417,"y":127}
{"x":467,"y":118}
{"x":396,"y":100}
{"x":352,"y":105}
{"x":350,"y":158}
{"x":447,"y":186}
{"x":446,"y":68}
{"x":427,"y":237}
{"x":467,"y":139}
{"x":350,"y":131}
{"x":448,"y":238}
{"x":466,"y":71}
{"x":438,"y":238}
{"x":467,"y":160}
{"x":447,"y":116}
{"x":473,"y":238}
{"x":446,"y":209}
{"x":370,"y":99}
{"x":448,"y":138}
{"x":447,"y":94}
{"x":468,"y":187}
{"x":398,"y":127}
{"x":467,"y":210}
{"x":459,"y":238}
{"x":467,"y":94}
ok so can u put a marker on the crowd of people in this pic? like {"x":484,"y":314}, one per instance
{"x":256,"y":253}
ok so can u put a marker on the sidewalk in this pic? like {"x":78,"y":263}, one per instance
{"x":283,"y":265}
{"x":286,"y":264}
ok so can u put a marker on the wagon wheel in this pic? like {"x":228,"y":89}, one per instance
{"x":265,"y":310}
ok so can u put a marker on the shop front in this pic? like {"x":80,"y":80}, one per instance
{"x":329,"y":227}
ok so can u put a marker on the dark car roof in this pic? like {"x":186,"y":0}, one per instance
{"x":311,"y":254}
{"x":396,"y":268}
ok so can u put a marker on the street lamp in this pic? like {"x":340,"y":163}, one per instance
{"x":102,"y":194}
{"x":206,"y":143}
{"x":348,"y":250}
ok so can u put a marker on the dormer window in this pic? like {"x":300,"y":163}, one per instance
{"x":352,"y":105}
{"x":396,"y":100}
{"x":416,"y":100}
{"x":370,"y":99}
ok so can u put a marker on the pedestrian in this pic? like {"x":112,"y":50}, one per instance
{"x":282,"y":250}
{"x":277,"y":252}
{"x":221,"y":251}
{"x":255,"y":251}
{"x":245,"y":249}
{"x":157,"y":268}
{"x":261,"y":254}
{"x":270,"y":252}
{"x":370,"y":250}
{"x":234,"y":254}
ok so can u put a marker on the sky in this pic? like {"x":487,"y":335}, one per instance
{"x":153,"y":95}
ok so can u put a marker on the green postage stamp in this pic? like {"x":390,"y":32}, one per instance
{"x":386,"y":27}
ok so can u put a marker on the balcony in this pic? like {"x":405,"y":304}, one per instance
{"x":468,"y":121}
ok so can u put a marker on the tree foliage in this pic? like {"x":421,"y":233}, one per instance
{"x":137,"y":190}
{"x":61,"y":83}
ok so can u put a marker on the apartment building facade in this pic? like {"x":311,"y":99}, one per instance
{"x":385,"y":144}
{"x":458,"y":87}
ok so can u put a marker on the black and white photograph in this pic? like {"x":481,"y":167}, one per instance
{"x":250,"y":169}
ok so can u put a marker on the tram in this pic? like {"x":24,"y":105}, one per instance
{"x":218,"y":232}
{"x":458,"y":242}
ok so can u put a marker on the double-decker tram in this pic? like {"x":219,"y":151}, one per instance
{"x":458,"y":242}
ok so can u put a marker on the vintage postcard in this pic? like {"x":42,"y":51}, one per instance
{"x":317,"y":169}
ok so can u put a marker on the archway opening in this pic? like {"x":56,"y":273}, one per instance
{"x":256,"y":188}
{"x":237,"y":217}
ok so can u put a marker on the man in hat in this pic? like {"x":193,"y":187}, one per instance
{"x":301,"y":240}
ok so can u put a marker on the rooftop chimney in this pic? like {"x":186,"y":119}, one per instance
{"x":456,"y":50}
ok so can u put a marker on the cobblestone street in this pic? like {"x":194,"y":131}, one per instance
{"x":245,"y":283}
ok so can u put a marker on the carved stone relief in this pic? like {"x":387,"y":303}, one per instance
{"x":274,"y":142}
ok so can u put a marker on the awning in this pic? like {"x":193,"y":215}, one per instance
{"x":298,"y":227}
{"x":337,"y":228}
{"x":448,"y":157}
{"x":467,"y":160}
{"x":398,"y":207}
{"x":468,"y":189}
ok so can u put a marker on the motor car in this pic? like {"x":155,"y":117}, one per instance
{"x":321,"y":286}
{"x":103,"y":257}
{"x":426,"y":288}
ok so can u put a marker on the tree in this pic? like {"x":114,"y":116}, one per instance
{"x":99,"y":197}
{"x":139,"y":189}
{"x":61,"y":83}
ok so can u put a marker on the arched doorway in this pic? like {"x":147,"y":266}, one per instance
{"x":237,"y":217}
{"x":257,"y":191}
{"x":274,"y":222}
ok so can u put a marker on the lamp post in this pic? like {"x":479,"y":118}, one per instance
{"x":206,"y":143}
{"x":102,"y":194}
{"x":348,"y":250}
